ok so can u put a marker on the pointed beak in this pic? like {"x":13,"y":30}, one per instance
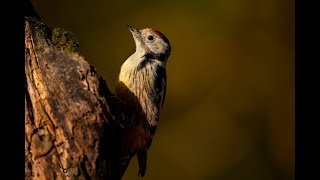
{"x":137,"y":37}
{"x":133,"y":30}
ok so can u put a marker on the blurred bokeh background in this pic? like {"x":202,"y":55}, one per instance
{"x":229,"y":110}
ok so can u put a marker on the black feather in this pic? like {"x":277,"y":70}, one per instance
{"x":142,"y":160}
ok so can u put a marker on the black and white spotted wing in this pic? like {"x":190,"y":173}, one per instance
{"x":160,"y":86}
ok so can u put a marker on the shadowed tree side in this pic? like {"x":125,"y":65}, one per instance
{"x":69,"y":110}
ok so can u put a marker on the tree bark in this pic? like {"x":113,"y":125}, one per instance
{"x":69,"y":110}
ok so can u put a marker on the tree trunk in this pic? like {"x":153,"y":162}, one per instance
{"x":69,"y":110}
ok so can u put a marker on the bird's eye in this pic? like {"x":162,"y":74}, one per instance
{"x":150,"y":38}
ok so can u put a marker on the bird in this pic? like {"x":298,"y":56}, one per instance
{"x":141,"y":87}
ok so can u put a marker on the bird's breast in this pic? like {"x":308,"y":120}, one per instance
{"x":135,"y":88}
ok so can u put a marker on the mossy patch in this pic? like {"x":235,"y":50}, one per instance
{"x":58,"y":37}
{"x":65,"y":39}
{"x":40,"y":27}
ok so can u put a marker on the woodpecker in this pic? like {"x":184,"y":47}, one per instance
{"x":142,"y":89}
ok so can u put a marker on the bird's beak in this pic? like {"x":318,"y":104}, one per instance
{"x":136,"y":36}
{"x":135,"y":32}
{"x":132,"y":29}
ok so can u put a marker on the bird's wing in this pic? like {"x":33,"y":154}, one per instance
{"x":160,"y":86}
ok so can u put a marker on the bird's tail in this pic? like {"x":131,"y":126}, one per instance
{"x":142,"y":160}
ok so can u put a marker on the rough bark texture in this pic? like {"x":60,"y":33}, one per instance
{"x":68,"y":112}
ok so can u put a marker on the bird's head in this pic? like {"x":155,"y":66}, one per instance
{"x":150,"y":42}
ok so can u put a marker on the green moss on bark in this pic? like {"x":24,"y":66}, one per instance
{"x":40,"y":27}
{"x":65,"y":39}
{"x":58,"y":37}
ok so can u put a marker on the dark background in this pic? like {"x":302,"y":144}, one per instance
{"x":229,"y":110}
